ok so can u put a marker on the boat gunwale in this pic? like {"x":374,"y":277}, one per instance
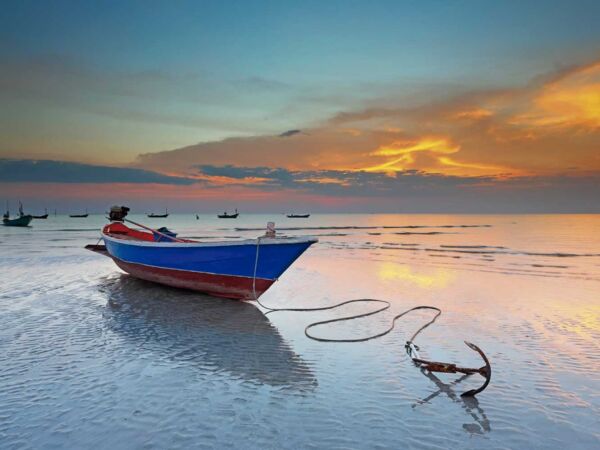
{"x":263,"y":241}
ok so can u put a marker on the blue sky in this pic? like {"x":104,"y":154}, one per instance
{"x":104,"y":82}
{"x":301,"y":41}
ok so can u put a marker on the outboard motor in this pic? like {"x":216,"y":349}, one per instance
{"x":118,"y":213}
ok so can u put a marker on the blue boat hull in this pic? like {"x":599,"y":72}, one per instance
{"x":225,"y":269}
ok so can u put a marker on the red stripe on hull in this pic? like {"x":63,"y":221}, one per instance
{"x":227,"y":286}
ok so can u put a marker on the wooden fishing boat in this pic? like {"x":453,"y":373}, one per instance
{"x":43,"y":216}
{"x":241,"y":270}
{"x":159,"y":216}
{"x":298,"y":216}
{"x":228,"y":216}
{"x":22,"y":220}
{"x":79,"y":216}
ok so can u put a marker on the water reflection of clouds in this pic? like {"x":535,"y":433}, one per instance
{"x":432,"y":279}
{"x":215,"y":335}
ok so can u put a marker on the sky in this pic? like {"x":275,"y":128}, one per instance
{"x":433,"y":106}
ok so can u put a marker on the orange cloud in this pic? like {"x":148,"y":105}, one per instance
{"x":572,"y":100}
{"x":546,"y":128}
{"x":457,"y":168}
{"x":473,"y":114}
{"x":405,"y":151}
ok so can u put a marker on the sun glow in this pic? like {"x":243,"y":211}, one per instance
{"x":405,"y":151}
{"x":570,"y":101}
{"x":436,"y":279}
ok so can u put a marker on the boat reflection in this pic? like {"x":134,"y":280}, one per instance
{"x":480,"y":424}
{"x":217,"y":335}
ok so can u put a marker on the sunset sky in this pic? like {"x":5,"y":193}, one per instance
{"x":454,"y":106}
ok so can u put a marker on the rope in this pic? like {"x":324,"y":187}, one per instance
{"x":386,"y":306}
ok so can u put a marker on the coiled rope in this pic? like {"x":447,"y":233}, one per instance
{"x":411,"y":348}
{"x":386,"y":306}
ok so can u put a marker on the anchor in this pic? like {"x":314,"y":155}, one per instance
{"x":411,"y":348}
{"x":435,"y":366}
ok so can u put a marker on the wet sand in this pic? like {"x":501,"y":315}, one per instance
{"x":90,"y":357}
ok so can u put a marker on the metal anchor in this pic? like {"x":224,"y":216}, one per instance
{"x":436,"y":366}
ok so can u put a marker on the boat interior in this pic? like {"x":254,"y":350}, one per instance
{"x":119,"y":230}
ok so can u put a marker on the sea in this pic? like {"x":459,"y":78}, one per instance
{"x":91,"y":358}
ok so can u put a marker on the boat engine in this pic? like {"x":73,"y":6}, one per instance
{"x":118,"y":213}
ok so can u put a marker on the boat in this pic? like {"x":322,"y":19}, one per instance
{"x":241,"y":270}
{"x":298,"y":216}
{"x":159,"y":216}
{"x":80,"y":216}
{"x":43,"y":216}
{"x":22,"y":220}
{"x":228,"y":216}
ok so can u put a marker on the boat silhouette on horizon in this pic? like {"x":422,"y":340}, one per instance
{"x":298,"y":216}
{"x":225,"y":215}
{"x":79,"y":216}
{"x":22,"y":220}
{"x":43,"y":216}
{"x":159,"y":216}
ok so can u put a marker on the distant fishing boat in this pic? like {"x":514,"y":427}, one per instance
{"x":242,"y":269}
{"x":298,"y":216}
{"x":228,"y":216}
{"x":22,"y":221}
{"x":43,"y":216}
{"x":159,"y":216}
{"x":80,"y":216}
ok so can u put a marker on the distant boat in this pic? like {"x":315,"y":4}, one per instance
{"x":298,"y":216}
{"x":22,"y":221}
{"x":80,"y":216}
{"x":228,"y":216}
{"x":159,"y":216}
{"x":43,"y":216}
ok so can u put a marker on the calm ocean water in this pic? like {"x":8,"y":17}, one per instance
{"x":92,"y":358}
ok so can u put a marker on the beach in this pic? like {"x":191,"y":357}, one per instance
{"x":93,"y":358}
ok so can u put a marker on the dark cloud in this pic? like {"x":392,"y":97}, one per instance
{"x":340,"y":182}
{"x":289,"y":133}
{"x":415,"y":191}
{"x":44,"y":171}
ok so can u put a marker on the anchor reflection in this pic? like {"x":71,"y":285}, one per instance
{"x":481,"y":424}
{"x":217,"y":335}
